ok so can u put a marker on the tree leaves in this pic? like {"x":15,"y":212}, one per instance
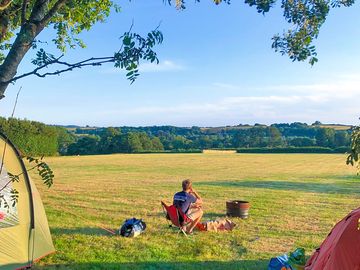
{"x":354,"y":156}
{"x":43,"y":169}
{"x":262,"y":6}
{"x":136,"y":48}
{"x":43,"y":58}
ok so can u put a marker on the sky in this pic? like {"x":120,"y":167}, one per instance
{"x":216,"y":68}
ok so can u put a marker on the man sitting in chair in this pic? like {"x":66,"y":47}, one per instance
{"x":189,"y":201}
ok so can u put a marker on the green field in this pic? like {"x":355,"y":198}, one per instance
{"x":295,"y":198}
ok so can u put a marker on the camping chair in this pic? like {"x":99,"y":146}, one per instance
{"x":177,"y":217}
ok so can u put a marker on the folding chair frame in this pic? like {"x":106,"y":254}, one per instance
{"x":177,"y":217}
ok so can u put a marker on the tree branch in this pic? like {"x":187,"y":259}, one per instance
{"x":93,"y":61}
{"x":52,"y":11}
{"x":38,"y":11}
{"x":23,"y":11}
{"x":134,"y":48}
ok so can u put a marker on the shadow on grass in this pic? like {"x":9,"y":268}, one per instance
{"x":84,"y":231}
{"x":210,"y":265}
{"x":340,"y":188}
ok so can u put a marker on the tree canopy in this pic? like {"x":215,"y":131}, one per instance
{"x":21,"y":21}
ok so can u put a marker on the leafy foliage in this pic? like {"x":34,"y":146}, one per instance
{"x":354,"y":154}
{"x":43,"y":169}
{"x":69,"y":20}
{"x":135,"y":48}
{"x":43,"y":58}
{"x":34,"y":138}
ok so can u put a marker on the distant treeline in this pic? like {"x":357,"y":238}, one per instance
{"x":170,"y":138}
{"x":34,"y":138}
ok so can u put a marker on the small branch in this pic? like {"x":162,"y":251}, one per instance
{"x":131,"y":27}
{"x":94,"y":61}
{"x":133,"y":49}
{"x":52,"y":11}
{"x":23,"y":11}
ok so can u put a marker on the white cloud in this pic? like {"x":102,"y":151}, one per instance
{"x":165,"y":65}
{"x":339,"y":85}
{"x":225,"y":85}
{"x":333,"y":101}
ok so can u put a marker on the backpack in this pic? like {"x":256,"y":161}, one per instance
{"x":132,"y":227}
{"x":279,"y":263}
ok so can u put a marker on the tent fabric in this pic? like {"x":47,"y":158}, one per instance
{"x":29,"y":238}
{"x":341,"y":248}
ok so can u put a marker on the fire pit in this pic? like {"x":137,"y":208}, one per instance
{"x":237,"y":209}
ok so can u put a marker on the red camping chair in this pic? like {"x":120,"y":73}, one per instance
{"x":177,"y":217}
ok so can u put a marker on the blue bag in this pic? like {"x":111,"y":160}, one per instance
{"x":132,"y":227}
{"x":280,"y":263}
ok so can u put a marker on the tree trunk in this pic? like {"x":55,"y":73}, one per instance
{"x":23,"y":42}
{"x":20,"y":47}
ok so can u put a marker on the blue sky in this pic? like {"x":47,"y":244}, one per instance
{"x":216,"y":68}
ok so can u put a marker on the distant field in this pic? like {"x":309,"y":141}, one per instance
{"x":296,"y":199}
{"x":336,"y":127}
{"x":212,"y":151}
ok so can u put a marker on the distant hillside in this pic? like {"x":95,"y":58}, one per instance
{"x":95,"y":140}
{"x":208,"y":130}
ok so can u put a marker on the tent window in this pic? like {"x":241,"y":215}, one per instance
{"x":8,"y":212}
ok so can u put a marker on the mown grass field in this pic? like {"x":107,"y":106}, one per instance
{"x":296,"y":199}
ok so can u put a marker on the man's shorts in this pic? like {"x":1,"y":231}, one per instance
{"x":194,"y":213}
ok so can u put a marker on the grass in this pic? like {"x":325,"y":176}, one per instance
{"x":295,"y":201}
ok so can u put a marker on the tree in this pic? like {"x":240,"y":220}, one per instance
{"x":108,"y":140}
{"x":354,"y":155}
{"x":156,"y":144}
{"x":85,"y":146}
{"x":21,"y":21}
{"x":325,"y":137}
{"x":64,"y":139}
{"x":133,"y":142}
{"x":341,"y":138}
{"x":275,"y":138}
{"x":301,"y":142}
